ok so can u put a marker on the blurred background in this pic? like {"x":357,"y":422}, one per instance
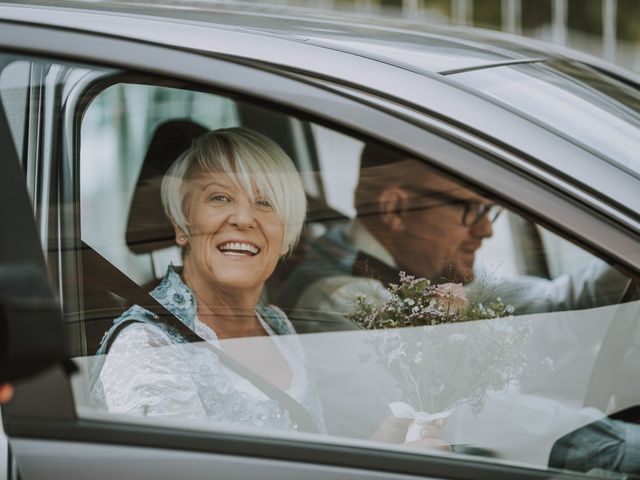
{"x":606,"y":28}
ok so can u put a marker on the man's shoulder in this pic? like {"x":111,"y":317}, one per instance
{"x":326,"y":303}
{"x":341,"y":289}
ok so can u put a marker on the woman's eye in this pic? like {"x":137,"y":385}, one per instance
{"x":264,"y":204}
{"x":219,"y":198}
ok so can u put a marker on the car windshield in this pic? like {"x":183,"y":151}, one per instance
{"x":593,"y":109}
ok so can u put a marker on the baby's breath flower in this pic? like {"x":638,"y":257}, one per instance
{"x":415,"y":301}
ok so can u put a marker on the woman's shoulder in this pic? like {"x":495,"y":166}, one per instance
{"x":138,"y":326}
{"x":276,"y":319}
{"x":139,"y":335}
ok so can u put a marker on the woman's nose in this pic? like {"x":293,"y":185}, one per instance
{"x":242,"y":215}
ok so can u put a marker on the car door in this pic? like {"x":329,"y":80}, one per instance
{"x":52,"y":430}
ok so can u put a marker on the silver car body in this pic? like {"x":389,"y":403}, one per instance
{"x":390,"y":80}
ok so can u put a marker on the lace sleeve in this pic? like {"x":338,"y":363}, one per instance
{"x":146,"y":374}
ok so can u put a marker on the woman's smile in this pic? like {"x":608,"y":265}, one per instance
{"x":238,"y":248}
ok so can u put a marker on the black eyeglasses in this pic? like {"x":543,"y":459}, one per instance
{"x":474,"y":211}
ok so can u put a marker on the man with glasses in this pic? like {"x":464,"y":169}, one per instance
{"x":414,"y":219}
{"x":410,"y":218}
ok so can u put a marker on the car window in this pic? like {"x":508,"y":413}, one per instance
{"x":402,"y":308}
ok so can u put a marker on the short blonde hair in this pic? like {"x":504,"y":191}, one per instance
{"x":253,"y":161}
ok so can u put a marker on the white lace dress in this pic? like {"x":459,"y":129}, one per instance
{"x":148,"y":371}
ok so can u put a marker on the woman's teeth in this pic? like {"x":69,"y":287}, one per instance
{"x":238,"y":248}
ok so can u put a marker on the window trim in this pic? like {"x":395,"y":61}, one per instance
{"x":278,"y":448}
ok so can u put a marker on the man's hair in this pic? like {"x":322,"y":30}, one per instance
{"x":253,"y":161}
{"x":381,"y":168}
{"x":376,"y":155}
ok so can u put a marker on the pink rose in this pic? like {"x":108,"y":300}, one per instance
{"x":451,"y":296}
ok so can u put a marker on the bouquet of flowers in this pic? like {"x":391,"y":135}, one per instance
{"x":448,"y":357}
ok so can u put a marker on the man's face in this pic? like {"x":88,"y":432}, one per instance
{"x":432,"y":240}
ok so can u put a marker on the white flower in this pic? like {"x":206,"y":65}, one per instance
{"x":393,"y":356}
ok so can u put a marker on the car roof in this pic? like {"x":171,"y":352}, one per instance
{"x":403,"y":43}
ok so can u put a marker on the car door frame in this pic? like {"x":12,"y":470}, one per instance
{"x":20,"y":245}
{"x":471,"y":159}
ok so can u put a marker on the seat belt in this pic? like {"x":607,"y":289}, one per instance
{"x":130,"y":291}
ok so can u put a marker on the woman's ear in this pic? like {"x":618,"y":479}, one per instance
{"x":182,"y":239}
{"x":392,"y":202}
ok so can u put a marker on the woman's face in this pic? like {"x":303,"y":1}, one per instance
{"x":235,"y":243}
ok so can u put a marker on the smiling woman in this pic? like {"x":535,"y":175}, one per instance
{"x":237,"y":206}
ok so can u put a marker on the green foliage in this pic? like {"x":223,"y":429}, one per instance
{"x":585,"y":16}
{"x":487,"y":13}
{"x":628,"y":20}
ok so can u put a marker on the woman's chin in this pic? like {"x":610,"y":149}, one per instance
{"x":239,"y":272}
{"x":238,"y":285}
{"x":239,"y":276}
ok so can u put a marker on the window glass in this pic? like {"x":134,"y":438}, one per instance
{"x":586,"y":105}
{"x":402,"y":309}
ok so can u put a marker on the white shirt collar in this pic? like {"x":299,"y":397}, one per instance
{"x":361,"y":238}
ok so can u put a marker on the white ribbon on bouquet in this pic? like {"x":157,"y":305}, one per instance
{"x":420,"y":419}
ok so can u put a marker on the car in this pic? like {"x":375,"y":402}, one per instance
{"x":99,"y":98}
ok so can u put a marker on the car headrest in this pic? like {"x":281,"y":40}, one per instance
{"x":148,"y":228}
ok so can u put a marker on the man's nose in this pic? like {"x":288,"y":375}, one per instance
{"x":242,"y":215}
{"x":483,"y":228}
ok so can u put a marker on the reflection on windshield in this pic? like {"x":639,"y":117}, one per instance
{"x":589,"y":107}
